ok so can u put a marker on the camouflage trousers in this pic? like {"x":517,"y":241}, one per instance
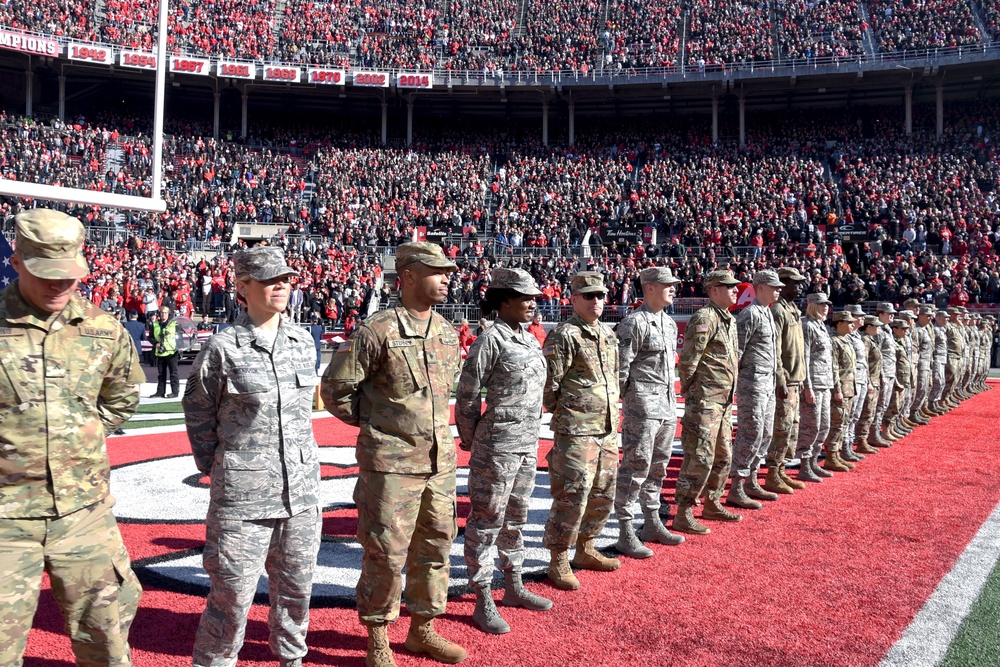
{"x":814,"y":425}
{"x":500,"y":487}
{"x":937,"y":384}
{"x":869,"y":409}
{"x":921,"y":391}
{"x":755,"y":428}
{"x":952,"y":371}
{"x":646,"y":448}
{"x":786,"y":427}
{"x":404,"y":520}
{"x":582,"y":471}
{"x":236,"y":553}
{"x":840,"y":414}
{"x":884,"y":398}
{"x":92,"y":580}
{"x":895,"y":405}
{"x":707,"y":439}
{"x":850,"y":428}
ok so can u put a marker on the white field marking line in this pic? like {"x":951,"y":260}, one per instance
{"x":926,"y":641}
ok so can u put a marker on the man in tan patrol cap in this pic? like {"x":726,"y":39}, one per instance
{"x":394,"y":379}
{"x":71,"y":374}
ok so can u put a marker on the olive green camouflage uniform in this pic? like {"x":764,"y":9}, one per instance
{"x":248,"y":406}
{"x":581,"y":392}
{"x":901,"y":382}
{"x":504,"y":444}
{"x":887,"y":346}
{"x":394,"y":379}
{"x":844,"y":373}
{"x":923,"y":340}
{"x":956,"y":350}
{"x":708,"y":367}
{"x":940,"y":362}
{"x":790,"y":373}
{"x":874,"y":353}
{"x":65,"y":381}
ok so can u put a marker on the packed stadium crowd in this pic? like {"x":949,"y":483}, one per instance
{"x":517,"y":35}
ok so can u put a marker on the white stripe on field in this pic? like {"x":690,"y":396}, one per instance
{"x":925,"y":642}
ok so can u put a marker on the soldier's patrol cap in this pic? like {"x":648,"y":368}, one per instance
{"x":910,"y":303}
{"x":262,"y":262}
{"x":963,"y":310}
{"x":517,"y":280}
{"x":767,"y":277}
{"x":49,"y":244}
{"x":658,"y":274}
{"x":926,"y":310}
{"x":724,"y":278}
{"x":817,"y":297}
{"x":900,"y":324}
{"x":587,"y":282}
{"x":855,"y":309}
{"x":953,"y":310}
{"x":843,"y":316}
{"x":941,"y":313}
{"x":872,"y":321}
{"x":885,"y":307}
{"x":428,"y":254}
{"x":907,"y":315}
{"x":790,"y":273}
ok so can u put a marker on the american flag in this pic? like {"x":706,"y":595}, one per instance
{"x":7,"y":272}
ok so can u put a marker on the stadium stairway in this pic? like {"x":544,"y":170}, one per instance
{"x":868,"y":38}
{"x":977,"y":16}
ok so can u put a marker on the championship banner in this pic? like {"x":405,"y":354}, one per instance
{"x":415,"y":80}
{"x":89,"y":53}
{"x":371,"y":79}
{"x":137,"y":60}
{"x":38,"y":46}
{"x":327,"y":77}
{"x":187,"y":65}
{"x":236,"y":70}
{"x":288,"y":74}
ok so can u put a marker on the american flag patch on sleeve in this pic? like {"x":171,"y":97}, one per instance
{"x":345,"y":346}
{"x":549,"y":351}
{"x":701,"y":328}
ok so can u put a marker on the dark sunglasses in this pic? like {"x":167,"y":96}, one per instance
{"x":590,"y":296}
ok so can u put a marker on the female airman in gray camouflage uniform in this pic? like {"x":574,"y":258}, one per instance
{"x":815,"y":421}
{"x":506,"y":361}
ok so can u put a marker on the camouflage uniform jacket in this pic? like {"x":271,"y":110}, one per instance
{"x":923,"y":341}
{"x":940,"y":344}
{"x":758,"y":345}
{"x":647,"y":347}
{"x":956,"y":343}
{"x":887,"y":344}
{"x":248,"y":411}
{"x":844,"y":366}
{"x":510,"y":366}
{"x":790,"y":342}
{"x":902,"y":365}
{"x":819,"y":360}
{"x":581,"y":385}
{"x":394,"y":379}
{"x":861,"y":358}
{"x":710,"y":359}
{"x":874,"y":353}
{"x":65,"y":381}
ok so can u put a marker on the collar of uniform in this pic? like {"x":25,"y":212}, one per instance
{"x":507,"y":332}
{"x":593,"y":330}
{"x":19,"y":311}
{"x":405,"y":319}
{"x":723,"y":313}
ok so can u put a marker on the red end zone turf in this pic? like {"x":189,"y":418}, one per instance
{"x":829,"y":576}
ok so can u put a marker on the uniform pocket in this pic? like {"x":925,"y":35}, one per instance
{"x":246,"y":475}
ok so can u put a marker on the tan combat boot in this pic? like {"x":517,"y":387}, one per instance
{"x":794,"y":483}
{"x":754,"y":490}
{"x":423,"y":639}
{"x":834,"y":463}
{"x":775,"y":484}
{"x":737,"y":496}
{"x":863,"y":447}
{"x":684,"y":521}
{"x":560,"y":573}
{"x":587,"y":557}
{"x":379,"y":652}
{"x":714,"y":511}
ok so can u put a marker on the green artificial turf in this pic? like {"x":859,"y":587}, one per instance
{"x":132,"y":426}
{"x":158,"y":408}
{"x":978,"y":640}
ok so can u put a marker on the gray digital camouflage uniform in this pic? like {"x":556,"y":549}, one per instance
{"x":755,"y":397}
{"x":65,"y":381}
{"x":647,"y":347}
{"x":248,"y":411}
{"x":815,"y":421}
{"x":861,"y":382}
{"x":504,"y":443}
{"x":923,"y":339}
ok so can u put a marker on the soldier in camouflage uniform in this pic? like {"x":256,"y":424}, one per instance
{"x":843,"y":392}
{"x":873,"y":351}
{"x":70,"y":374}
{"x":887,"y":346}
{"x":394,"y":379}
{"x":708,"y":368}
{"x":757,"y":335}
{"x":790,"y":373}
{"x":248,"y":411}
{"x":815,"y":406}
{"x":940,"y":360}
{"x":893,"y":415}
{"x":923,"y":339}
{"x":647,"y":347}
{"x":581,"y":392}
{"x":956,"y":350}
{"x":862,"y":384}
{"x":507,"y":362}
{"x":909,"y":313}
